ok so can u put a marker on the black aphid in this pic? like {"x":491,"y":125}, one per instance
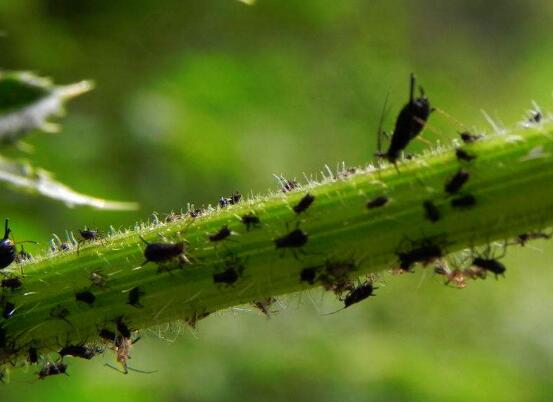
{"x":250,"y":220}
{"x":228,"y":276}
{"x":89,"y":234}
{"x":7,"y":248}
{"x":463,"y":155}
{"x":469,"y":138}
{"x":82,"y":351}
{"x":60,"y":313}
{"x":359,"y":293}
{"x":431,"y":211}
{"x":11,"y":283}
{"x":295,"y":239}
{"x":32,"y":355}
{"x":456,"y":182}
{"x":232,"y":271}
{"x":425,"y":254}
{"x":9,"y":310}
{"x":122,"y":328}
{"x":134,"y":297}
{"x":304,"y":203}
{"x":489,"y":264}
{"x":85,"y":297}
{"x":232,"y":200}
{"x":465,"y":201}
{"x":309,"y":275}
{"x":288,"y":185}
{"x":378,"y":202}
{"x":336,"y":276}
{"x":535,"y":116}
{"x":409,"y":123}
{"x":163,"y":252}
{"x":108,"y":335}
{"x":195,"y":213}
{"x":222,"y":234}
{"x":52,"y":369}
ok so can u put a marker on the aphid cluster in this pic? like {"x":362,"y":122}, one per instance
{"x":333,"y":275}
{"x":478,"y":268}
{"x":423,"y":252}
{"x":232,"y":200}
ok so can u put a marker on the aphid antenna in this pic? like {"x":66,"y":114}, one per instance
{"x":127,"y":369}
{"x":450,"y":117}
{"x":380,"y":133}
{"x":497,"y":127}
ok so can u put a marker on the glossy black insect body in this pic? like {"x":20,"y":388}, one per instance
{"x":456,"y":182}
{"x":8,"y":252}
{"x":32,"y":355}
{"x":89,"y":234}
{"x":304,"y":203}
{"x":85,"y":297}
{"x":377,"y":202}
{"x":52,"y":369}
{"x":250,"y":220}
{"x":162,"y":252}
{"x":463,"y":155}
{"x":489,"y":264}
{"x":359,"y":293}
{"x":308,"y":275}
{"x":469,"y":138}
{"x":431,"y":211}
{"x":463,"y":202}
{"x":9,"y":310}
{"x":11,"y":283}
{"x":82,"y":351}
{"x":409,"y":122}
{"x":295,"y":239}
{"x":222,"y":234}
{"x":423,"y":254}
{"x":134,"y":297}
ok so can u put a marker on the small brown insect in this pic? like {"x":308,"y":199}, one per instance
{"x":264,"y":305}
{"x":455,"y":276}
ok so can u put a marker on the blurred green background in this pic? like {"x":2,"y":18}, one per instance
{"x":197,"y":99}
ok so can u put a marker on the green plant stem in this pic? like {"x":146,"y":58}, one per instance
{"x":511,"y":180}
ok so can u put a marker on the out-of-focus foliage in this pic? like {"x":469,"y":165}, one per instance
{"x":27,"y":102}
{"x":197,"y":99}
